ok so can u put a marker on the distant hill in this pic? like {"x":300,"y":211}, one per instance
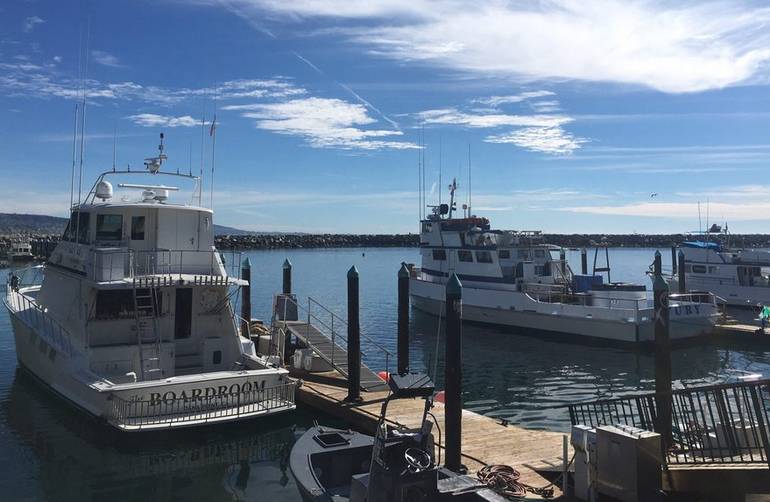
{"x":12,"y":223}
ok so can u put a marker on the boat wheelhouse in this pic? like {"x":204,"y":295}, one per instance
{"x":737,"y":276}
{"x":513,"y":278}
{"x":20,"y":251}
{"x":131,"y":320}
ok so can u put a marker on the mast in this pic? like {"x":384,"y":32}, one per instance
{"x":440,"y":156}
{"x":74,"y":152}
{"x":469,"y":181}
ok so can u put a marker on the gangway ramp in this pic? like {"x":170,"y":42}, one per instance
{"x":325,"y":333}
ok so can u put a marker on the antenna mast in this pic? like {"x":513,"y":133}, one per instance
{"x":114,"y":146}
{"x":440,"y":158}
{"x":74,"y":153}
{"x":469,"y":181}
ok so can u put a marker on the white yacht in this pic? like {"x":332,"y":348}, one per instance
{"x":737,"y":276}
{"x":20,"y":251}
{"x":131,"y":320}
{"x":512,"y":279}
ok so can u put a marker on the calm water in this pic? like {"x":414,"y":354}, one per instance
{"x":49,"y":451}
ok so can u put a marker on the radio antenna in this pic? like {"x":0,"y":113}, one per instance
{"x":74,"y":152}
{"x":469,"y":181}
{"x":114,"y":146}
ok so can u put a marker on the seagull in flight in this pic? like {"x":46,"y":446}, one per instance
{"x":655,"y":194}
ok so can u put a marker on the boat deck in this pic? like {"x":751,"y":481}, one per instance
{"x":484,"y":440}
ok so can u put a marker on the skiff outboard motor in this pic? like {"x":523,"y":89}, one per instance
{"x":403,"y":468}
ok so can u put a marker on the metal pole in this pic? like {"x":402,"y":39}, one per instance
{"x":563,"y":262}
{"x":453,"y":374}
{"x":662,"y":357}
{"x":673,"y":260}
{"x":246,"y":298}
{"x":403,"y":320}
{"x":584,"y":261}
{"x":681,"y":271}
{"x":354,"y":338}
{"x":287,"y":277}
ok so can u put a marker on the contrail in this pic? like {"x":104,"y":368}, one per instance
{"x":350,"y":91}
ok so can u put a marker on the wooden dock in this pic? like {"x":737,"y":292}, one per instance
{"x":484,"y":440}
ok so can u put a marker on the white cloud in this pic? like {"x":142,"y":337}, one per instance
{"x":322,"y":122}
{"x":554,"y":140}
{"x":668,"y":46}
{"x":106,"y":59}
{"x":155,"y":120}
{"x":540,"y":133}
{"x":30,"y":23}
{"x":512,"y":98}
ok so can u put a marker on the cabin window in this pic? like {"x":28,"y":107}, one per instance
{"x":216,"y":357}
{"x":75,"y":227}
{"x":137,"y":228}
{"x":699,"y":269}
{"x":109,"y":227}
{"x":483,"y":257}
{"x":522,"y":254}
{"x":439,"y":255}
{"x":465,"y":255}
{"x":713,"y":269}
{"x":540,"y":270}
{"x":426,"y":227}
{"x":504,"y":254}
{"x":539,"y":253}
{"x":119,"y":303}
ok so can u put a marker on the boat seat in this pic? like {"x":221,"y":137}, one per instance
{"x":359,"y":487}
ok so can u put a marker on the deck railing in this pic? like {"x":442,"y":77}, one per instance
{"x":121,"y":263}
{"x":38,"y":320}
{"x":724,"y":423}
{"x":171,"y":411}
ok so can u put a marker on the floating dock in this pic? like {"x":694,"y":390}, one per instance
{"x":485,"y":440}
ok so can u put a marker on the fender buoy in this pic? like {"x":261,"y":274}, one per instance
{"x":384,"y":375}
{"x":440,"y":396}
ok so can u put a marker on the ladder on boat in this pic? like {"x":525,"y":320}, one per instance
{"x":147,"y":333}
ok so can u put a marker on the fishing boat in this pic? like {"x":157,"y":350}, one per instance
{"x":396,"y":465}
{"x":514,"y":279}
{"x":20,"y":251}
{"x":737,"y":276}
{"x":131,"y":320}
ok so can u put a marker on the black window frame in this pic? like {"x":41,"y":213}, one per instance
{"x":465,"y":255}
{"x":699,"y":269}
{"x":112,"y":235}
{"x":439,"y":255}
{"x":504,"y":254}
{"x":134,"y":225}
{"x":487,"y":257}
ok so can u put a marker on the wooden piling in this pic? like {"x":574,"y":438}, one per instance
{"x":354,"y":338}
{"x":673,"y":260}
{"x":246,"y":297}
{"x":403,"y":320}
{"x":662,"y":356}
{"x":453,"y":373}
{"x":681,"y":271}
{"x":584,"y":261}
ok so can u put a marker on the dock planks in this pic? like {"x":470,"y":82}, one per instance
{"x":484,"y":439}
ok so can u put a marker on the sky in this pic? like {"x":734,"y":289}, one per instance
{"x":576,"y":116}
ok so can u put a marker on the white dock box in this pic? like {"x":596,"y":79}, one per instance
{"x":629,"y":463}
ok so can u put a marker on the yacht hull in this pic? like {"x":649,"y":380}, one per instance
{"x":183,"y":401}
{"x":728,"y":294}
{"x":518,"y":310}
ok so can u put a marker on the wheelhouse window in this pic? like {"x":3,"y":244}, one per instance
{"x":539,"y":253}
{"x":77,"y":229}
{"x":439,"y":255}
{"x":137,"y":228}
{"x":483,"y":257}
{"x":522,"y":254}
{"x":699,"y":269}
{"x":465,"y":255}
{"x":109,"y":227}
{"x":504,"y":254}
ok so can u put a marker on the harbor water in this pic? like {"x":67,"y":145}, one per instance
{"x":52,"y":452}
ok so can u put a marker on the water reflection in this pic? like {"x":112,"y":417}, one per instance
{"x":79,"y":458}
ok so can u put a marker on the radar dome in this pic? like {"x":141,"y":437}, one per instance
{"x":104,"y":190}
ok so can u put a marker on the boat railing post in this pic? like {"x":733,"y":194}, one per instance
{"x":333,"y":336}
{"x":354,"y":338}
{"x":403,"y":320}
{"x":663,"y":394}
{"x":453,"y":374}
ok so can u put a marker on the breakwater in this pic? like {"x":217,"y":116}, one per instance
{"x":42,"y":245}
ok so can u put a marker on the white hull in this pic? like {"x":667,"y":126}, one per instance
{"x":183,"y":401}
{"x":519,"y":310}
{"x":729,"y":294}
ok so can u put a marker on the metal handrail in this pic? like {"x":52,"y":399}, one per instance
{"x":137,"y":413}
{"x":122,"y":263}
{"x":41,"y":323}
{"x":345,"y":323}
{"x":720,"y":423}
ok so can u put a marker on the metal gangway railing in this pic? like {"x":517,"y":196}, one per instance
{"x":715,"y":424}
{"x":334,"y":330}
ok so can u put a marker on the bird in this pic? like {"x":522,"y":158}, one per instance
{"x":655,"y":194}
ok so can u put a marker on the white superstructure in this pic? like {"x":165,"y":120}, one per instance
{"x":132,"y":320}
{"x":736,"y":276}
{"x":511,"y":279}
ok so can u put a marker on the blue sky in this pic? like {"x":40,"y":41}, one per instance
{"x":575,"y":112}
